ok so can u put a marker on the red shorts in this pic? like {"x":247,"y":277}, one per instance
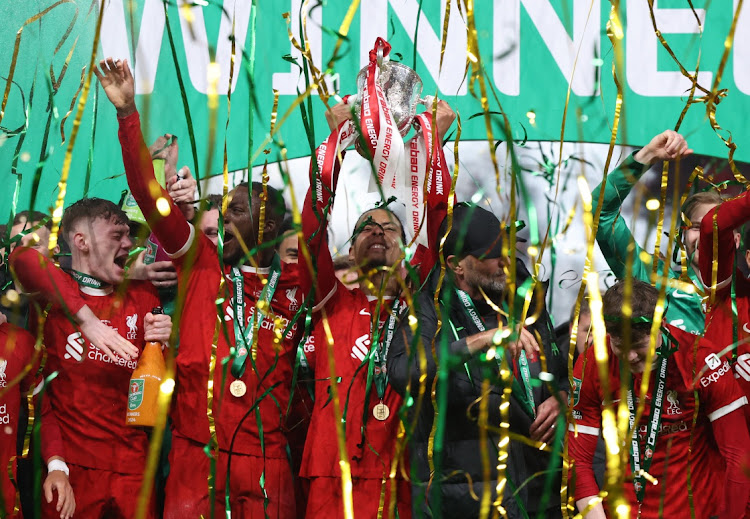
{"x":187,"y":484}
{"x":101,"y":494}
{"x":324,"y":499}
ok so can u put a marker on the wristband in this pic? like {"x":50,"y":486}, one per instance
{"x":58,"y":465}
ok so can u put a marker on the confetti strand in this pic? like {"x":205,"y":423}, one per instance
{"x":183,"y":95}
{"x":62,"y":184}
{"x":16,"y":46}
{"x":712,"y":99}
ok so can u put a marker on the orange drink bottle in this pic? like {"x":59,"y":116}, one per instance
{"x":145,"y":384}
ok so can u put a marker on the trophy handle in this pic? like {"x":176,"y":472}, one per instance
{"x":426,"y":101}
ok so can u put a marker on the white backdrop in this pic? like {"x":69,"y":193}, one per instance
{"x":476,"y":175}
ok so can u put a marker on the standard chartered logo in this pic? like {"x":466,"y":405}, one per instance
{"x":74,"y":347}
{"x":74,"y":350}
{"x":361,"y":347}
{"x":742,"y":367}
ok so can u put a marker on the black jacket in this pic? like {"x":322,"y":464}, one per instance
{"x":461,"y":458}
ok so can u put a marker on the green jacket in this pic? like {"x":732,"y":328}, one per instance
{"x":684,"y":310}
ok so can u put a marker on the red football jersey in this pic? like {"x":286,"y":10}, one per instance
{"x":721,"y":322}
{"x":90,"y":392}
{"x":16,"y":353}
{"x":679,"y":444}
{"x":197,"y":324}
{"x":273,"y":368}
{"x":349,"y":315}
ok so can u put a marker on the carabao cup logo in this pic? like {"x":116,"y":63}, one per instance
{"x":135,"y":396}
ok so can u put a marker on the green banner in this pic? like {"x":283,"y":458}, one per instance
{"x":530,"y":50}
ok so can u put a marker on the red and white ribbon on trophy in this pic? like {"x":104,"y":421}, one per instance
{"x":403,"y":179}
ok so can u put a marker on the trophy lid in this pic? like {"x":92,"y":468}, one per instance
{"x":402,"y":87}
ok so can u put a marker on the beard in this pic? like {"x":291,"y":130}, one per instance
{"x":493,"y":286}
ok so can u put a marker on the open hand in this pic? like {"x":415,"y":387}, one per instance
{"x":118,"y":83}
{"x":57,"y":481}
{"x":103,"y":337}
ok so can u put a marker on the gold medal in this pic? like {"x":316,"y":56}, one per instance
{"x":237,"y":388}
{"x":381,"y":412}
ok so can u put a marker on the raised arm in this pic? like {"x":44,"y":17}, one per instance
{"x":162,"y":214}
{"x":729,"y":215}
{"x":39,"y":276}
{"x":613,"y":235}
{"x":318,"y":206}
{"x":438,"y":191}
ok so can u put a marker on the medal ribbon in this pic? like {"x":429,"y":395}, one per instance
{"x":86,"y":280}
{"x":527,"y":396}
{"x":637,"y":463}
{"x":379,"y":353}
{"x":264,"y":301}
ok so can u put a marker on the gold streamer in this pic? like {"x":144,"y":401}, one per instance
{"x":17,"y":45}
{"x":436,"y":300}
{"x":63,"y":183}
{"x":72,"y":104}
{"x":715,"y":96}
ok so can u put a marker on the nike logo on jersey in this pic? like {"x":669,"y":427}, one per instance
{"x":361,"y":347}
{"x":746,"y":328}
{"x":364,"y":311}
{"x":679,"y":294}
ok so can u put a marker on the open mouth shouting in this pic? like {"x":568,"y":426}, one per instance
{"x":121,"y":260}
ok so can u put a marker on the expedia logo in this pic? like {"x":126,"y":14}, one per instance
{"x":714,"y":376}
{"x":712,"y":361}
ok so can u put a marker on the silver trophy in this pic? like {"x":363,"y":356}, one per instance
{"x":402,"y":87}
